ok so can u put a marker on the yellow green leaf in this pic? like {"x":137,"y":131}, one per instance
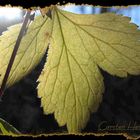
{"x":111,"y":40}
{"x":32,"y":48}
{"x":71,"y":85}
{"x":7,"y":129}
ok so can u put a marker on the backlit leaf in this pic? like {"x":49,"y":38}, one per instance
{"x":71,"y":84}
{"x":31,"y":49}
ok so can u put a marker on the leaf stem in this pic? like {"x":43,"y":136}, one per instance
{"x":23,"y":29}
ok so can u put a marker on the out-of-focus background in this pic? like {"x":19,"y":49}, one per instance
{"x":121,"y":100}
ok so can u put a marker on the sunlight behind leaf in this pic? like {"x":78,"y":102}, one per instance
{"x":10,"y":13}
{"x":71,"y":84}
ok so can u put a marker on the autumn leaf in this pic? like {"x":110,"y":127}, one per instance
{"x":7,"y":129}
{"x":31,"y":49}
{"x":71,"y":85}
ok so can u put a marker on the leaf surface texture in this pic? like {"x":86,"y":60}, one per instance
{"x":32,"y":48}
{"x":71,"y":84}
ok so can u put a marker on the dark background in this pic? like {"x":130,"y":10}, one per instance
{"x":121,"y":100}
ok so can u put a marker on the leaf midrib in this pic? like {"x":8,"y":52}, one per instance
{"x":68,"y":65}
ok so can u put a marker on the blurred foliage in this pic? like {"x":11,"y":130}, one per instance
{"x":7,"y":129}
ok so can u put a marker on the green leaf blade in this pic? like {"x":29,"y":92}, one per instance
{"x":7,"y":129}
{"x":32,"y":48}
{"x":68,"y":84}
{"x":71,"y":84}
{"x":111,"y":40}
